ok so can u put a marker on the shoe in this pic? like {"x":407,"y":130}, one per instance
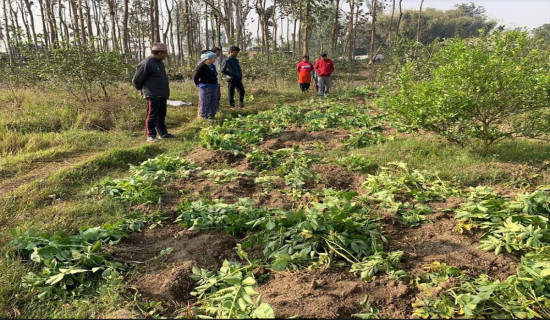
{"x":151,"y":139}
{"x":168,"y":136}
{"x":241,"y":105}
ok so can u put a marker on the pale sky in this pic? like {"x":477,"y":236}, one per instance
{"x":511,"y":13}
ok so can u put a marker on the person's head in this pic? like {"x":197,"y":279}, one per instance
{"x":305,"y":58}
{"x":217,"y":51}
{"x":324,"y":56}
{"x":234,"y":51}
{"x":159,"y":50}
{"x":208,"y":57}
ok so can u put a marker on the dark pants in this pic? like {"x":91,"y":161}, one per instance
{"x":304,"y":87}
{"x":156,"y":113}
{"x":232,"y":85}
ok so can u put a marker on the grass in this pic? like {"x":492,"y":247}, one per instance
{"x":460,"y":165}
{"x":51,"y":127}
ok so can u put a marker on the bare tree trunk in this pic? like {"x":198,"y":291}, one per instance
{"x":155,"y":27}
{"x":304,"y":26}
{"x":8,"y":39}
{"x":31,"y":18}
{"x":112,"y":18}
{"x":187,"y":31}
{"x":63,"y":24}
{"x":15,"y":23}
{"x":82,"y":25}
{"x":89,"y":22}
{"x":274,"y":19}
{"x":400,"y":16}
{"x":26,"y":23}
{"x":373,"y":31}
{"x":178,"y":32}
{"x":334,"y":32}
{"x":52,"y":23}
{"x":169,"y":22}
{"x":75,"y":20}
{"x":349,"y":40}
{"x":125,"y":31}
{"x":206,"y":29}
{"x":45,"y":31}
{"x":391,"y":24}
{"x":418,"y":25}
{"x":294,"y":38}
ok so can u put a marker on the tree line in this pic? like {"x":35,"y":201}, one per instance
{"x":340,"y":27}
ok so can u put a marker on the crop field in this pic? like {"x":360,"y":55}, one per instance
{"x":414,"y":189}
{"x":320,"y":209}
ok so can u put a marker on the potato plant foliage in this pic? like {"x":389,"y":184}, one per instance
{"x":482,"y":89}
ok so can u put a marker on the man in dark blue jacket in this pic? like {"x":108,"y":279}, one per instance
{"x":152,"y":81}
{"x":234,"y":76}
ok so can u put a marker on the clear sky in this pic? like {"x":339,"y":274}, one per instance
{"x":511,"y":13}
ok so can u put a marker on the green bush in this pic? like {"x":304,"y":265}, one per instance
{"x":483,"y":89}
{"x":83,"y":71}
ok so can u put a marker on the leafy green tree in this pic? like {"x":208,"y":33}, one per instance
{"x":482,"y":89}
{"x":85,"y":72}
{"x":542,"y":34}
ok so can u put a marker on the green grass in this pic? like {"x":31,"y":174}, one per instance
{"x":50,"y":126}
{"x":454,"y":163}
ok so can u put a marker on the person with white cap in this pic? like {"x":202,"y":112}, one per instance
{"x":206,"y":79}
{"x":152,"y":82}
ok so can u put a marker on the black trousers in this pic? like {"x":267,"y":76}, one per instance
{"x":232,"y":85}
{"x":304,"y":87}
{"x":156,"y":114}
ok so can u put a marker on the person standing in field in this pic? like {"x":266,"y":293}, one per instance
{"x":152,"y":82}
{"x":218,"y":61}
{"x":218,"y":64}
{"x":206,"y":79}
{"x":234,"y":76}
{"x":324,"y":67}
{"x":304,"y":68}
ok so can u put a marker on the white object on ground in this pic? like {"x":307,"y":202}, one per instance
{"x":177,"y":103}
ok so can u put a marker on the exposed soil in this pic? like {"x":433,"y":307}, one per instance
{"x":333,"y":294}
{"x":317,"y":293}
{"x":315,"y":140}
{"x":167,"y":278}
{"x":337,"y":177}
{"x":437,"y":241}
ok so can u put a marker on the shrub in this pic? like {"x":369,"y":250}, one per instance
{"x":84,"y":71}
{"x":483,"y":89}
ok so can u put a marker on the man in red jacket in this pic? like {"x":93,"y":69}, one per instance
{"x":323,"y":69}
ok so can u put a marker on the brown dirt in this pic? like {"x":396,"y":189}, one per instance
{"x":208,"y":158}
{"x":437,"y":241}
{"x":318,"y":293}
{"x":332,"y":294}
{"x":298,"y":136}
{"x":167,"y":278}
{"x":336,"y":177}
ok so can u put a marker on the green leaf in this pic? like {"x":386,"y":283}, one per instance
{"x":249,"y":281}
{"x":279,"y":265}
{"x":241,"y":303}
{"x":264,"y":311}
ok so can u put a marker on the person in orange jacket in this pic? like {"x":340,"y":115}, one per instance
{"x":324,"y":67}
{"x":304,"y":68}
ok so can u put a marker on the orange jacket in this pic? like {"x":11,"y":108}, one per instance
{"x":304,"y":71}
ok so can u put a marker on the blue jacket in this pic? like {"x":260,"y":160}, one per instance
{"x":152,"y":79}
{"x":232,"y":69}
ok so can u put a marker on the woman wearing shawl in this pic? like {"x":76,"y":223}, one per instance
{"x":206,"y":79}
